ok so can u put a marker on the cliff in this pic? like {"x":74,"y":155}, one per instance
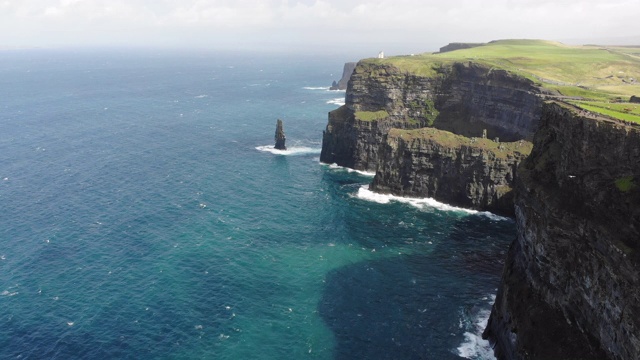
{"x":468,"y":172}
{"x":346,"y":75}
{"x":463,"y":98}
{"x":571,"y":284}
{"x":377,"y":100}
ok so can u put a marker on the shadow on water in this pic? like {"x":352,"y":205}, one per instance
{"x":416,"y":306}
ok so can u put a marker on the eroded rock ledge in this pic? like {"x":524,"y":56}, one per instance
{"x":468,"y":172}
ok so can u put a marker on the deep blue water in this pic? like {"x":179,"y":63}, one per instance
{"x":142,"y":218}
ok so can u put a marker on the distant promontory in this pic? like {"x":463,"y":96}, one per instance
{"x":346,"y":74}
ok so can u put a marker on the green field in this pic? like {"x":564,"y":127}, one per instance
{"x":622,"y":111}
{"x":595,"y":73}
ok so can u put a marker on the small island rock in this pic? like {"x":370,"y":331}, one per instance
{"x":280,"y":138}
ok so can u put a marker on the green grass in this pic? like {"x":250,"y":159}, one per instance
{"x":596,"y":73}
{"x":625,"y":184}
{"x":371,"y":115}
{"x":615,"y":110}
{"x":452,"y":140}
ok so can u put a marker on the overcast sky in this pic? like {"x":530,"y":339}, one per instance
{"x":359,"y":26}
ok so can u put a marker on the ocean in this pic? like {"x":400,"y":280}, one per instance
{"x":145,"y":215}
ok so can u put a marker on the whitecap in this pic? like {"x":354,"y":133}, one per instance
{"x":293,"y":150}
{"x":335,"y":166}
{"x":421,"y":203}
{"x":336,"y":101}
{"x":316,"y":87}
{"x":201,"y":96}
{"x":474,"y":346}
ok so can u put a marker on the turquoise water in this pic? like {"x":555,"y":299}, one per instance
{"x":143,"y":217}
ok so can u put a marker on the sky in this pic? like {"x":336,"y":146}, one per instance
{"x":312,"y":26}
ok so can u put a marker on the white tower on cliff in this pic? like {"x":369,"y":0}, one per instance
{"x":381,"y":55}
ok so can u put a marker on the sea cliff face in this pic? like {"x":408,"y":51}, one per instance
{"x":571,"y":285}
{"x":463,"y":98}
{"x":468,"y":172}
{"x":377,"y":100}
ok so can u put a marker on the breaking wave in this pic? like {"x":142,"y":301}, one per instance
{"x":338,"y":167}
{"x":293,"y":150}
{"x":421,"y":203}
{"x":336,"y":101}
{"x":474,"y":346}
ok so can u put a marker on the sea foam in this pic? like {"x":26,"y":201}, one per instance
{"x":335,"y":166}
{"x":316,"y":88}
{"x":291,"y":151}
{"x":474,"y":346}
{"x":336,"y":101}
{"x":421,"y":203}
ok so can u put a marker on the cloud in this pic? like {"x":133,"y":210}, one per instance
{"x":400,"y":23}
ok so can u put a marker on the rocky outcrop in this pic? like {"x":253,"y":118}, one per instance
{"x":375,"y":103}
{"x":346,"y":75}
{"x":634,"y":99}
{"x":469,"y":172}
{"x":571,"y":285}
{"x":463,"y":98}
{"x":279,"y":137}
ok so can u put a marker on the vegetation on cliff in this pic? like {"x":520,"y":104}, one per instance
{"x":451,"y":140}
{"x":601,"y":78}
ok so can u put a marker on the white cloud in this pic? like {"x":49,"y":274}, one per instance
{"x":413,"y":25}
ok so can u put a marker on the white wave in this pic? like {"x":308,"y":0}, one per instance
{"x":338,"y":167}
{"x":421,"y":203}
{"x":474,"y":346}
{"x":316,"y":87}
{"x":336,"y":101}
{"x":201,"y":96}
{"x":293,"y":150}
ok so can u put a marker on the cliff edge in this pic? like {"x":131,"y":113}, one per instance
{"x":571,"y":284}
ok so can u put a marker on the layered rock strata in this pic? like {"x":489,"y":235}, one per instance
{"x":571,"y":282}
{"x":468,"y":172}
{"x":464,"y":98}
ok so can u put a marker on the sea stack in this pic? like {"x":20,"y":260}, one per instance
{"x":280,"y":138}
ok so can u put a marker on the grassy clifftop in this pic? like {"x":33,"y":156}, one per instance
{"x":451,"y":140}
{"x":598,"y":75}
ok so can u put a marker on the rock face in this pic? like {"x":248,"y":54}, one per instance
{"x":571,"y":285}
{"x":353,"y":134}
{"x":462,"y":98}
{"x":346,"y":74}
{"x":472,"y":173}
{"x":473,"y":97}
{"x":634,"y":99}
{"x":280,"y":138}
